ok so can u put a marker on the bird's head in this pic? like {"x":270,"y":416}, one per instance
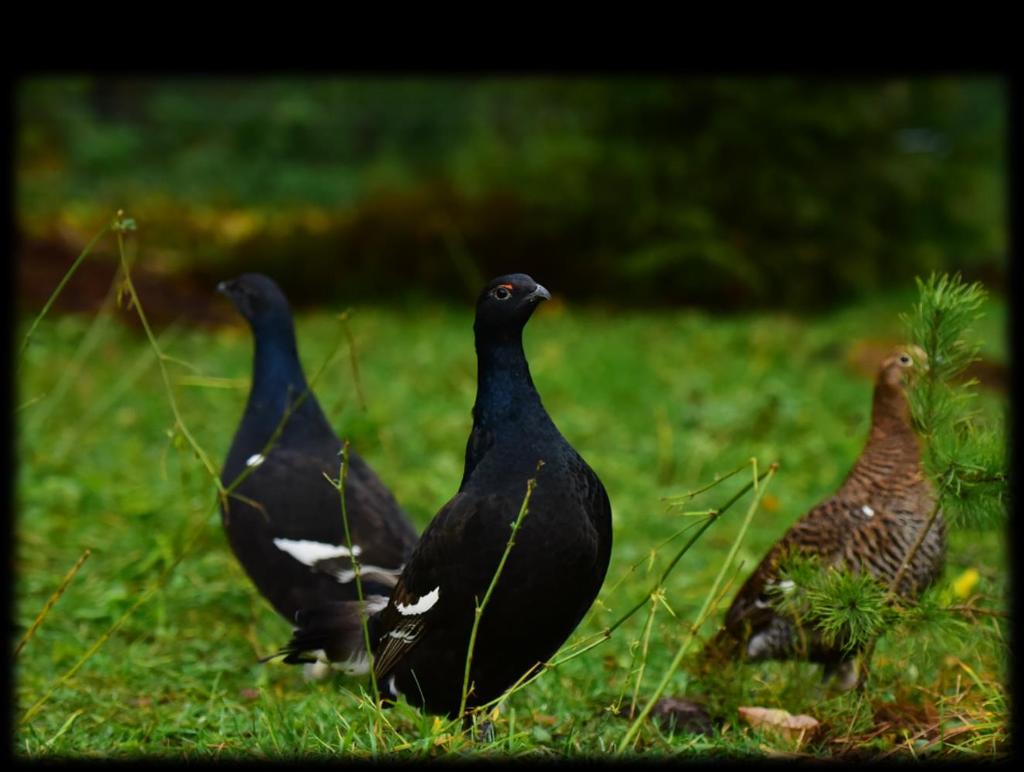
{"x":903,"y":366}
{"x":506,"y":304}
{"x":258,"y":299}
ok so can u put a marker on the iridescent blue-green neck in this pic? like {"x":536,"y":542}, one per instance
{"x":504,"y":386}
{"x":278,"y":381}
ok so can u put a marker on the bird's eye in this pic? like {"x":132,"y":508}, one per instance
{"x":905,"y":360}
{"x":501,"y":292}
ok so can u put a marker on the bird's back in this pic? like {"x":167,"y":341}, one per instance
{"x":285,"y":505}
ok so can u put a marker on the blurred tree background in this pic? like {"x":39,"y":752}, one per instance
{"x":720,"y":192}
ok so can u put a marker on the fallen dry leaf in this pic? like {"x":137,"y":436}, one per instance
{"x":798,"y":728}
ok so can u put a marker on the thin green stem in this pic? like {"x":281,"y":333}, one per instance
{"x":478,"y":613}
{"x":606,"y":634}
{"x":285,"y":417}
{"x":50,"y":603}
{"x":353,"y":359}
{"x":60,"y":286}
{"x":72,"y":371}
{"x":909,"y":557}
{"x":646,"y":638}
{"x":29,"y":714}
{"x":719,"y":479}
{"x":707,"y":524}
{"x":179,"y":420}
{"x":634,"y":728}
{"x":867,"y":654}
{"x":654,"y":551}
{"x":111,"y":397}
{"x":358,"y":573}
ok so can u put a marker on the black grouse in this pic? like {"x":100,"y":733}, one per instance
{"x":283,"y":520}
{"x":869,"y":524}
{"x":554,"y":569}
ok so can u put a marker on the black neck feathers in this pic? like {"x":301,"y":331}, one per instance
{"x":505,"y":389}
{"x":278,"y":381}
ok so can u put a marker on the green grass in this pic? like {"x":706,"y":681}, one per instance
{"x":658,"y":403}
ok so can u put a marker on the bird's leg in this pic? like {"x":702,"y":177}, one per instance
{"x":483,"y":732}
{"x":847,"y":672}
{"x":864,"y":671}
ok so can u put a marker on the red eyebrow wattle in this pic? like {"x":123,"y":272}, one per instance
{"x":506,"y":286}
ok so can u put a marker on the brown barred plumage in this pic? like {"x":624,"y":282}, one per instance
{"x":870,"y":524}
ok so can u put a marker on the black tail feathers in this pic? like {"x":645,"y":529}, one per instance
{"x":333,"y":633}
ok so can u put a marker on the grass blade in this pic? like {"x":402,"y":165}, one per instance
{"x":634,"y":728}
{"x":523,"y":509}
{"x":60,"y":287}
{"x":50,"y":603}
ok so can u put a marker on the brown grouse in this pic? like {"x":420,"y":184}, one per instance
{"x":870,"y":524}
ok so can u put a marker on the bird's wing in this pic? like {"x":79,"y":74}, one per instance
{"x":286,"y":491}
{"x":367,"y":494}
{"x":818,"y":532}
{"x":400,"y":632}
{"x":436,"y":581}
{"x":290,"y":500}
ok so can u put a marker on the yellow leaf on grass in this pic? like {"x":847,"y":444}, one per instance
{"x":964,"y":583}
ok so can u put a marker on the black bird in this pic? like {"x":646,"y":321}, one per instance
{"x":554,"y":570}
{"x":284,"y":519}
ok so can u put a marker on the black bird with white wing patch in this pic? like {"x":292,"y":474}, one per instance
{"x":283,"y":520}
{"x":554,"y":569}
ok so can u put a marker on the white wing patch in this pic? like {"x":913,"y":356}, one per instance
{"x":408,"y":637}
{"x":375,"y":603}
{"x":422,"y":605}
{"x":311,"y":552}
{"x":392,"y":688}
{"x":357,"y":664}
{"x":255,"y":459}
{"x":317,"y":671}
{"x":867,"y":511}
{"x":348,"y":574}
{"x":757,"y":646}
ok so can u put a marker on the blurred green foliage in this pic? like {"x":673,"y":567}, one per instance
{"x":718,"y":191}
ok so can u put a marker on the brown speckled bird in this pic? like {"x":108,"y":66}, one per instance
{"x":870,"y":524}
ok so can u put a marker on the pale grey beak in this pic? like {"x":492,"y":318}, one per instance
{"x":539,"y":294}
